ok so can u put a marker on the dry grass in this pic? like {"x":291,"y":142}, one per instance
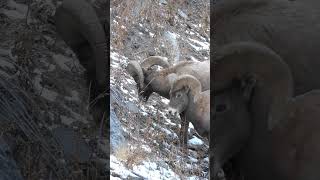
{"x":130,"y":13}
{"x":131,"y":156}
{"x":142,"y":132}
{"x":126,"y":17}
{"x":37,"y":154}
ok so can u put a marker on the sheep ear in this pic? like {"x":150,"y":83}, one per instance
{"x":247,"y":85}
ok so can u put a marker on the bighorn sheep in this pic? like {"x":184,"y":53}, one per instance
{"x":256,"y":122}
{"x":187,"y":97}
{"x":149,"y":81}
{"x":77,"y":23}
{"x":288,"y":28}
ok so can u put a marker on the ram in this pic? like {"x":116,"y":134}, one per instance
{"x":258,"y":124}
{"x":289,"y":28}
{"x":149,"y":80}
{"x":187,"y":98}
{"x":79,"y":26}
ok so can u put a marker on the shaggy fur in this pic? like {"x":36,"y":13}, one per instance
{"x":186,"y":97}
{"x":160,"y":82}
{"x":290,"y":29}
{"x":77,"y":23}
{"x":259,"y":120}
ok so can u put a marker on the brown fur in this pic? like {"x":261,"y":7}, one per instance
{"x":290,"y":29}
{"x":197,"y":108}
{"x":78,"y":25}
{"x":287,"y":150}
{"x":158,"y":81}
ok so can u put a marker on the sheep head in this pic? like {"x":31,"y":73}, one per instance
{"x":184,"y":88}
{"x":143,"y":74}
{"x":230,"y":109}
{"x":274,"y":85}
{"x":252,"y":86}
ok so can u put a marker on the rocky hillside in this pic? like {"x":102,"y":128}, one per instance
{"x":144,"y":137}
{"x":46,"y":131}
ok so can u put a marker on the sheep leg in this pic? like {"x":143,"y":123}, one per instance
{"x":184,"y":132}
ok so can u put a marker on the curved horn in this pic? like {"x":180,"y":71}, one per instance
{"x":186,"y":81}
{"x":90,"y":27}
{"x":274,"y":81}
{"x":135,"y":70}
{"x":155,"y":60}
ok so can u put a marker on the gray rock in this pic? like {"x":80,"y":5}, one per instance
{"x":182,"y":14}
{"x":164,"y":2}
{"x":8,"y":167}
{"x":132,"y":107}
{"x":74,"y":147}
{"x":116,"y":131}
{"x":4,"y":52}
{"x":117,"y":98}
{"x":195,"y":143}
{"x":13,"y":14}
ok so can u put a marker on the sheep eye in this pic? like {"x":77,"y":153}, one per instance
{"x":221,"y":108}
{"x":178,"y":95}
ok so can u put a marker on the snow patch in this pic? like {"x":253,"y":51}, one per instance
{"x":199,"y":45}
{"x":118,"y":168}
{"x":195,"y":141}
{"x":194,"y":59}
{"x":150,"y":170}
{"x":165,"y":101}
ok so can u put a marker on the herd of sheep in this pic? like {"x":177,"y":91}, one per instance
{"x":265,"y":79}
{"x":189,"y":95}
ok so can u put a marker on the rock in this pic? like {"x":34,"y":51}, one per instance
{"x":182,"y":14}
{"x":62,"y":61}
{"x":45,"y":92}
{"x":5,"y":63}
{"x":151,"y":52}
{"x":132,"y":107}
{"x":116,"y":132}
{"x":67,"y":120}
{"x":22,"y":8}
{"x":19,"y":10}
{"x":74,"y":147}
{"x":195,"y":143}
{"x":4,"y":52}
{"x":8,"y":167}
{"x":164,"y":2}
{"x":13,"y":14}
{"x":116,"y":96}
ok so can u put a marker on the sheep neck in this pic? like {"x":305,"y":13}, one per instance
{"x":159,"y":84}
{"x":267,"y":102}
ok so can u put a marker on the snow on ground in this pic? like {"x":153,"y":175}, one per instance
{"x":148,"y":168}
{"x":153,"y":149}
{"x":198,"y":45}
